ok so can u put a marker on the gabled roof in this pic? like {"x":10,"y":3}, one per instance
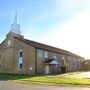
{"x":48,"y":60}
{"x":2,"y":42}
{"x":51,"y":61}
{"x":46,"y":47}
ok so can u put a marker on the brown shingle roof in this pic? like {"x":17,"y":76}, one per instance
{"x":46,"y":47}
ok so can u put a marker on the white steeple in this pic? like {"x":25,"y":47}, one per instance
{"x":15,"y":28}
{"x":15,"y":18}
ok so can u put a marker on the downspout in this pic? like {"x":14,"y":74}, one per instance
{"x":35,"y":61}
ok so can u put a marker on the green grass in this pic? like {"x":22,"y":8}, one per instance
{"x":44,"y":79}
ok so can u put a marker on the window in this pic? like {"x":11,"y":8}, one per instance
{"x":46,"y":54}
{"x":63,"y":61}
{"x":39,"y":53}
{"x":69,"y":63}
{"x":74,"y":63}
{"x":20,"y":61}
{"x":55,"y":57}
{"x":21,"y":54}
{"x":20,"y":66}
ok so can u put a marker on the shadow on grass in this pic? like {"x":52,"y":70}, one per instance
{"x":43,"y":79}
{"x":6,"y":76}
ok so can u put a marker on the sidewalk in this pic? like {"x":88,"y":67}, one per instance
{"x":75,"y":75}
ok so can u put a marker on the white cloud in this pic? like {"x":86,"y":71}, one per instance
{"x":73,"y":35}
{"x":68,"y":5}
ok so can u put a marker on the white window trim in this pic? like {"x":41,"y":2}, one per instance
{"x":39,"y":53}
{"x":20,"y":60}
{"x":63,"y":59}
{"x":46,"y":54}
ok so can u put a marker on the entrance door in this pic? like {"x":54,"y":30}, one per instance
{"x":47,"y":69}
{"x":63,"y":69}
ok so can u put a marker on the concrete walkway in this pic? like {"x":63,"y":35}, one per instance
{"x":75,"y":75}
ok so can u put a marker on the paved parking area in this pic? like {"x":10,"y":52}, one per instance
{"x":9,"y":85}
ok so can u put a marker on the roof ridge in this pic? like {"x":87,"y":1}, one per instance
{"x":46,"y":47}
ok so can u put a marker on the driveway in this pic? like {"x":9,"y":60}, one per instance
{"x":10,"y":85}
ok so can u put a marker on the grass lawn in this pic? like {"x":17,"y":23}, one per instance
{"x":44,"y":79}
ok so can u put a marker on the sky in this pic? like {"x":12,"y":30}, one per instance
{"x":60,"y":23}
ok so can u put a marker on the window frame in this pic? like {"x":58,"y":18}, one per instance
{"x":20,"y":60}
{"x":46,"y":54}
{"x":39,"y":53}
{"x":62,"y":61}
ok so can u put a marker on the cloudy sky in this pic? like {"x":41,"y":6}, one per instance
{"x":61,"y":23}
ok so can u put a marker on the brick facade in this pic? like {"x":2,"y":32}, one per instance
{"x":32,"y":64}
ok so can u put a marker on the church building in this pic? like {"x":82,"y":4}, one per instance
{"x":22,"y":56}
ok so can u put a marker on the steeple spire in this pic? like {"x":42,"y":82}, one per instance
{"x":15,"y":18}
{"x":15,"y":28}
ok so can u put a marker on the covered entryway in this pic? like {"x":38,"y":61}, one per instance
{"x":50,"y":66}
